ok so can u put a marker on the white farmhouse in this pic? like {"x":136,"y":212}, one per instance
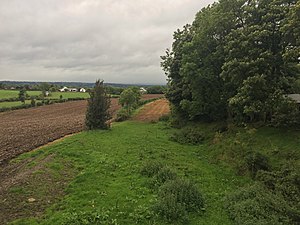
{"x":73,"y":89}
{"x":64,"y":89}
{"x":143,"y":90}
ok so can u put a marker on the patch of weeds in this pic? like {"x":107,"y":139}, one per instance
{"x":256,"y":161}
{"x":17,"y":190}
{"x":87,"y":218}
{"x":163,"y":175}
{"x":150,"y":168}
{"x":176,"y":198}
{"x":31,"y":164}
{"x":189,"y":135}
{"x":141,"y":214}
{"x":273,"y":199}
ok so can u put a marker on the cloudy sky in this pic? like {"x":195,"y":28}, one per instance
{"x":119,"y":41}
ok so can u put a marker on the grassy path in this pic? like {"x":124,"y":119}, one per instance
{"x":109,"y":185}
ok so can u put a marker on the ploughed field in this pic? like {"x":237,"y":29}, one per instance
{"x":26,"y":129}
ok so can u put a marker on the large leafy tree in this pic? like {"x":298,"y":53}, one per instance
{"x":179,"y":89}
{"x":98,"y":113}
{"x":130,"y":98}
{"x":255,"y":58}
{"x":238,"y":58}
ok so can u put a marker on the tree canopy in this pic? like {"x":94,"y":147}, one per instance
{"x":236,"y":60}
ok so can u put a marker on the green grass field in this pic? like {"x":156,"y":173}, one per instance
{"x":109,"y":181}
{"x":65,"y":95}
{"x":14,"y":93}
{"x":11,"y":104}
{"x":4,"y":94}
{"x":56,"y":95}
{"x":109,"y":185}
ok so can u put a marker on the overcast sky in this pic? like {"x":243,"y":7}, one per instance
{"x":120,"y":41}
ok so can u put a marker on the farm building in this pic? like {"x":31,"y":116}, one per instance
{"x":73,"y":89}
{"x":82,"y":90}
{"x":64,"y":89}
{"x":143,"y":90}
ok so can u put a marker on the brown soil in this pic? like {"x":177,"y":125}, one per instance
{"x":153,"y":111}
{"x":30,"y":186}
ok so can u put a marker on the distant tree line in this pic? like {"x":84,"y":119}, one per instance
{"x":237,"y":60}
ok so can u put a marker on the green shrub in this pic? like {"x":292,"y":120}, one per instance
{"x":286,"y":182}
{"x":32,"y":103}
{"x":122,"y":115}
{"x":257,"y":205}
{"x":188,"y":135}
{"x":171,"y":210}
{"x":273,"y":199}
{"x":164,"y":118}
{"x":151,"y":168}
{"x":176,"y":198}
{"x":39,"y":104}
{"x":163,"y":175}
{"x":256,"y":161}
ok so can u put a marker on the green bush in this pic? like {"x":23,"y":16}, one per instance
{"x":32,"y":103}
{"x":257,"y":205}
{"x":122,"y":115}
{"x":163,"y":175}
{"x":256,"y":161}
{"x":176,"y":198}
{"x":188,"y":135}
{"x":39,"y":104}
{"x":273,"y":199}
{"x":164,"y":118}
{"x":151,"y":168}
{"x":171,"y":210}
{"x":286,"y":182}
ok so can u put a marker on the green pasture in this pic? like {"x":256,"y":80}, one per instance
{"x":54,"y":95}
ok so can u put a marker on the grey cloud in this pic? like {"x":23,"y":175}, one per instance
{"x":82,"y":40}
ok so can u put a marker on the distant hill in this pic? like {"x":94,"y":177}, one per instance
{"x":70,"y":84}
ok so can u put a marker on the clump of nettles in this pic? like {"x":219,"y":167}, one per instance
{"x":176,"y":197}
